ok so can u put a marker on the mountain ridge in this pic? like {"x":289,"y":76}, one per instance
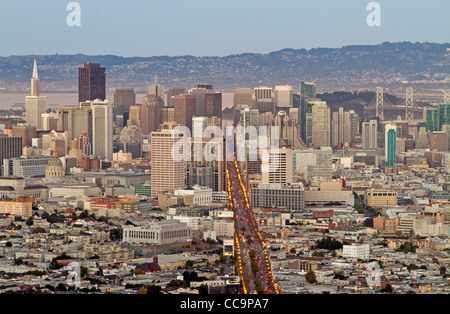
{"x":349,"y":67}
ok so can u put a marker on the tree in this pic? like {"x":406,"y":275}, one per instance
{"x":29,"y":221}
{"x":311,"y":276}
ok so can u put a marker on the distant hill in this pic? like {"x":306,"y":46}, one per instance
{"x":393,"y":65}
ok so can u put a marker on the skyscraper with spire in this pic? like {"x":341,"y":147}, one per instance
{"x":36,"y":105}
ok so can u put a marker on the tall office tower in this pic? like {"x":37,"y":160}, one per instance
{"x":75,"y":121}
{"x":167,"y":114}
{"x":123,"y":100}
{"x":263,"y":92}
{"x":431,"y":117}
{"x":199,"y":124}
{"x":135,"y":116}
{"x":213,"y":105}
{"x":200,"y":94}
{"x":422,"y":136}
{"x":308,"y":90}
{"x":370,"y":134}
{"x":25,"y":131}
{"x":288,"y":130}
{"x":168,"y":173}
{"x":344,"y":126}
{"x":150,"y":114}
{"x":85,"y":144}
{"x":444,"y":114}
{"x":390,"y":144}
{"x":91,"y":82}
{"x":36,"y":105}
{"x":438,"y":141}
{"x":158,"y":90}
{"x":217,"y":161}
{"x":102,"y":129}
{"x":185,"y":109}
{"x":10,"y":147}
{"x":49,"y":121}
{"x":249,"y":118}
{"x":320,"y":124}
{"x":243,"y":96}
{"x":278,"y":167}
{"x":172,"y":93}
{"x":283,"y":97}
{"x":307,"y":93}
{"x":265,"y":105}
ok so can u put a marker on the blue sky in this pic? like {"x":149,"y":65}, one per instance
{"x":212,"y":27}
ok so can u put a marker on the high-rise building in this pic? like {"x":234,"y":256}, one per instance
{"x":185,"y":109}
{"x":168,"y":173}
{"x":75,"y":121}
{"x":36,"y":105}
{"x":158,"y":90}
{"x":91,"y":82}
{"x":370,"y":134}
{"x":172,"y":93}
{"x":431,"y":117}
{"x":320,"y":129}
{"x":390,"y":145}
{"x":135,"y":116}
{"x":344,"y":126}
{"x":243,"y":96}
{"x":123,"y":100}
{"x":199,"y":124}
{"x":149,"y":114}
{"x":422,"y":136}
{"x":283,"y":97}
{"x":278,"y":167}
{"x":213,"y":105}
{"x":10,"y":147}
{"x":444,"y":114}
{"x":308,"y":90}
{"x":102,"y":129}
{"x":263,"y":92}
{"x":307,"y":93}
{"x":438,"y":141}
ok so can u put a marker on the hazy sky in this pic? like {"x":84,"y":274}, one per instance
{"x":212,"y":27}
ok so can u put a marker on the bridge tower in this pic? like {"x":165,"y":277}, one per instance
{"x":447,"y":96}
{"x":409,"y":104}
{"x":380,"y":103}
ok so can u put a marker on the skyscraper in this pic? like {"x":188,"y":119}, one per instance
{"x":390,"y":144}
{"x":150,"y":114}
{"x":158,"y":90}
{"x":263,"y":92}
{"x":320,"y":124}
{"x":185,"y":109}
{"x":168,"y":174}
{"x":213,"y":105}
{"x":102,"y":129}
{"x":444,"y":115}
{"x":278,"y":167}
{"x":36,"y":105}
{"x":123,"y":100}
{"x":422,"y":136}
{"x":91,"y":82}
{"x":10,"y":147}
{"x":370,"y":134}
{"x":284,"y":97}
{"x":243,"y":96}
{"x":344,"y":127}
{"x":172,"y":93}
{"x":431,"y":117}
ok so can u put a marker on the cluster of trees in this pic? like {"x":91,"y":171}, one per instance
{"x":407,"y":247}
{"x":329,"y":244}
